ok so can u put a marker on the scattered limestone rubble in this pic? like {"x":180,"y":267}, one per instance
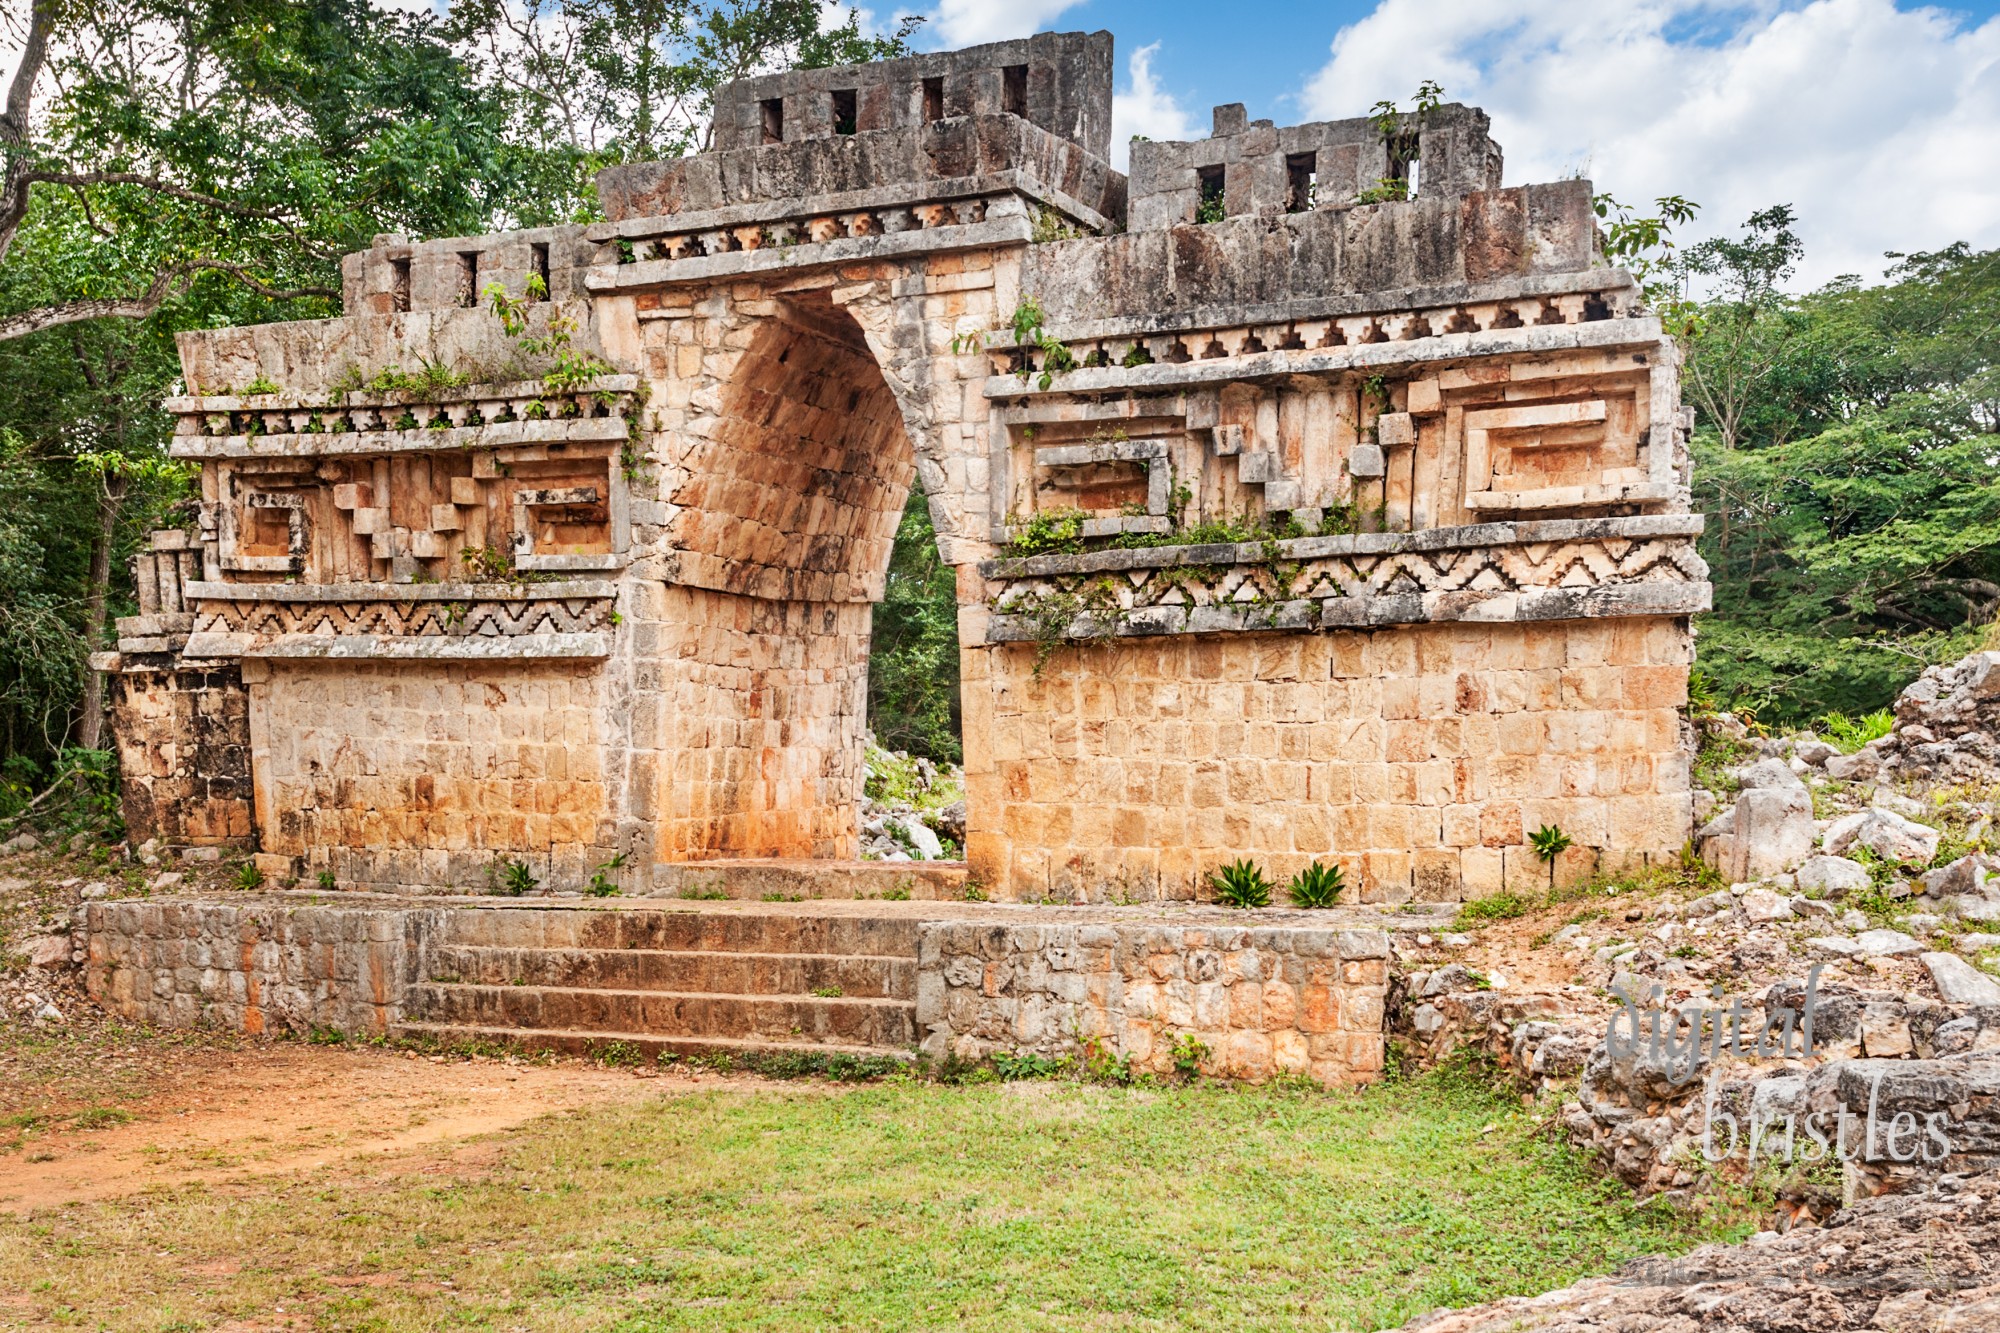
{"x":1946,"y":723}
{"x":1925,"y":1262}
{"x":912,"y":809}
{"x":1882,"y":879}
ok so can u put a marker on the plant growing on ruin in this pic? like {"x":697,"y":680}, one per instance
{"x":487,"y":564}
{"x":249,"y":877}
{"x":1049,"y":532}
{"x":1317,"y":885}
{"x":1030,"y":331}
{"x":1241,"y":883}
{"x":570,"y":367}
{"x":262,"y":384}
{"x":1053,"y":226}
{"x":602,"y":885}
{"x":1550,"y":842}
{"x":510,"y":878}
{"x":325,"y":881}
{"x":1385,"y":190}
{"x":1189,"y":1053}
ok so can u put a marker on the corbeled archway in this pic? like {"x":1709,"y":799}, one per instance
{"x":782,"y":529}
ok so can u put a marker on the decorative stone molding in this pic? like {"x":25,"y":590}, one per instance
{"x":1557,"y":570}
{"x":477,"y":416}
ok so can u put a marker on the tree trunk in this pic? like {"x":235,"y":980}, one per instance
{"x":90,"y":727}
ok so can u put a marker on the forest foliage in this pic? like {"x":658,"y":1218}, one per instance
{"x":170,"y":166}
{"x":1845,"y":455}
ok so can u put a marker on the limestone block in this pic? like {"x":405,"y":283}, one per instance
{"x":1887,"y":834}
{"x":1958,"y":982}
{"x":1831,"y":876}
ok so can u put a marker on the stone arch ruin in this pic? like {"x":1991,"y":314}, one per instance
{"x":441,"y":608}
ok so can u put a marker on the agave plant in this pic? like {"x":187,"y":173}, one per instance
{"x":1318,"y":885}
{"x":1240,"y":884}
{"x":1549,"y":842}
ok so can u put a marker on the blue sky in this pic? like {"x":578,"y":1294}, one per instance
{"x":1878,"y":121}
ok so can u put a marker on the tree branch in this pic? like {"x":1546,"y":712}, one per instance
{"x":14,"y":120}
{"x":169,"y":283}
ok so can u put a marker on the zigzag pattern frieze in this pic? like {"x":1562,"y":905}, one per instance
{"x":407,"y":619}
{"x":1495,"y":569}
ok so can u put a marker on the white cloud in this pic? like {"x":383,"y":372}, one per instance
{"x":970,"y":22}
{"x":1144,"y":109}
{"x":1880,"y":125}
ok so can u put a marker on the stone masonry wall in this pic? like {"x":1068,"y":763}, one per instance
{"x":1419,"y":759}
{"x":183,"y":741}
{"x":1264,"y":1000}
{"x":752,"y":739}
{"x":425,"y":774}
{"x":256,"y":968}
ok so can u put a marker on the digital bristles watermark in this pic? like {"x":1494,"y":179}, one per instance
{"x":1681,"y":1041}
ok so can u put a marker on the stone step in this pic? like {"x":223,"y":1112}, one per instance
{"x":650,"y":1044}
{"x":794,"y":1018}
{"x":794,"y":880}
{"x":683,"y":930}
{"x":857,"y":976}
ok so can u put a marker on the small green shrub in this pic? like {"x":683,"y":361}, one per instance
{"x":510,"y":878}
{"x":1189,"y":1053}
{"x":1318,"y":885}
{"x":602,"y":885}
{"x":1549,"y":842}
{"x":1240,"y":884}
{"x":1015,"y":1065}
{"x":1051,"y":532}
{"x":1497,"y":907}
{"x":248,"y":876}
{"x":1850,"y":733}
{"x":326,"y":881}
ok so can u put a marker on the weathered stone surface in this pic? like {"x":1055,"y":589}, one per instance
{"x":1896,"y":1264}
{"x":1958,"y":982}
{"x":1768,"y":831}
{"x":1887,"y":943}
{"x":1833,"y":876}
{"x":1261,"y":1000}
{"x":516,"y":627}
{"x":1886,"y":833}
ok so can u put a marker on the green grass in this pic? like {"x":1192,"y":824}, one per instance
{"x":901,"y":1204}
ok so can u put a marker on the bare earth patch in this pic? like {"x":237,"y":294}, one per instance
{"x":228,"y":1115}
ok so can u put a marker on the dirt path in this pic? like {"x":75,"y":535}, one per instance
{"x":227,"y":1115}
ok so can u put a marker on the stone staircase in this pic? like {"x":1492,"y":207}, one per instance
{"x":770,"y":980}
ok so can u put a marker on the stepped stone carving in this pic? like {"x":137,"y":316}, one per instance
{"x":440,"y":607}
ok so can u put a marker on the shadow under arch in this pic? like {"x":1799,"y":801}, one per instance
{"x":784,"y":526}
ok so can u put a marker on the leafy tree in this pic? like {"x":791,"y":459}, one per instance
{"x":156,"y":144}
{"x":595,"y":82}
{"x":166,"y":166}
{"x":913,"y":700}
{"x":1846,"y":460}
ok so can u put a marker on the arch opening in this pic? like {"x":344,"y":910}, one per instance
{"x":784,"y":529}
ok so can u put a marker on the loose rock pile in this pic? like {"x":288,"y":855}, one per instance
{"x":912,"y":809}
{"x":1873,"y":868}
{"x":1924,"y":1262}
{"x":1946,"y":724}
